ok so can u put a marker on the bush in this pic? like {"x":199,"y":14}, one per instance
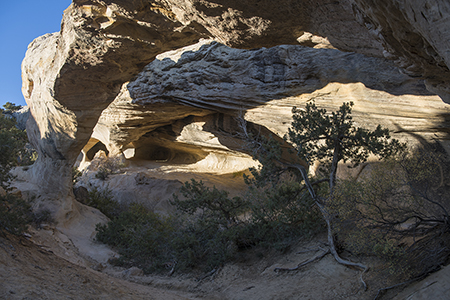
{"x":141,"y":237}
{"x":399,"y":212}
{"x":15,"y":214}
{"x":103,"y":201}
{"x":211,"y":226}
{"x":12,"y":142}
{"x":282,"y":213}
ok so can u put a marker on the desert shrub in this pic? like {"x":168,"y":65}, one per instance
{"x":209,"y":228}
{"x":15,"y":214}
{"x":12,"y":142}
{"x":103,"y":201}
{"x":209,"y":203}
{"x":141,"y":237}
{"x":76,"y":174}
{"x":109,"y":166}
{"x":211,"y":225}
{"x":399,"y":212}
{"x":40,"y":217}
{"x":282,"y":213}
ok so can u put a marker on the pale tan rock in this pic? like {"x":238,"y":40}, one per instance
{"x":70,"y":77}
{"x":216,"y":78}
{"x":65,"y":101}
{"x":436,"y":286}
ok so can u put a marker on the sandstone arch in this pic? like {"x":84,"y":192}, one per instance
{"x":71,"y":77}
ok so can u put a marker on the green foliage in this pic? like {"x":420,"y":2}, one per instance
{"x":399,"y":212}
{"x":209,"y":229}
{"x":331,"y":138}
{"x":212,"y":204}
{"x":282,"y":213}
{"x":211,"y":225}
{"x":103,"y":201}
{"x":42,"y":216}
{"x":12,"y":142}
{"x":15,"y":214}
{"x":142,"y":238}
{"x":8,"y":106}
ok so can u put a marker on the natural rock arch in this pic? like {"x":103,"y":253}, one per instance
{"x":103,"y":44}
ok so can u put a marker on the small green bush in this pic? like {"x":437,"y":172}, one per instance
{"x":282,"y":213}
{"x":103,"y":201}
{"x":12,"y":142}
{"x":141,"y":237}
{"x":209,"y":229}
{"x":15,"y":214}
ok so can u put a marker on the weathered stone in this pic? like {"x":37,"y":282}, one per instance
{"x":81,"y":194}
{"x":415,"y":34}
{"x":70,"y":77}
{"x":215,"y":78}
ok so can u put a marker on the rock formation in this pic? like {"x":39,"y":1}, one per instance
{"x":101,"y":84}
{"x":71,"y":77}
{"x":214,"y":78}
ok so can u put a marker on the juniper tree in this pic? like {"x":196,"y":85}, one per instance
{"x":327,"y":138}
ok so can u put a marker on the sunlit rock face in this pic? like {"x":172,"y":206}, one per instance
{"x":262,"y":86}
{"x":181,"y":116}
{"x":71,"y":77}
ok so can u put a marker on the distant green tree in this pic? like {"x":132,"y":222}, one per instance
{"x":8,"y":106}
{"x":12,"y":142}
{"x":15,"y":213}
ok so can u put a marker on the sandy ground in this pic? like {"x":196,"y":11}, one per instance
{"x":28,"y":271}
{"x":68,"y":267}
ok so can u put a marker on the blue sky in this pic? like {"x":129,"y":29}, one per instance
{"x":21,"y":21}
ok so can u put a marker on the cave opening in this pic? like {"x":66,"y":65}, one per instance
{"x":98,"y":146}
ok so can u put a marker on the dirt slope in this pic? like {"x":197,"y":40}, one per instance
{"x":29,"y":272}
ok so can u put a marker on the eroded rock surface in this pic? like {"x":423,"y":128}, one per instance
{"x":72,"y":76}
{"x":91,"y":70}
{"x":415,"y":34}
{"x":215,"y":78}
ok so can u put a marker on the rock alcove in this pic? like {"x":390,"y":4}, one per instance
{"x":161,"y":83}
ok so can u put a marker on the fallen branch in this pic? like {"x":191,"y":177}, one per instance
{"x":304,"y":263}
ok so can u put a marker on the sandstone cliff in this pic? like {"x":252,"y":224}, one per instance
{"x":107,"y":81}
{"x":70,"y":77}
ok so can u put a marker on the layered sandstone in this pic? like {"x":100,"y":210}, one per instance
{"x":70,"y":77}
{"x":213,"y":78}
{"x":90,"y":87}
